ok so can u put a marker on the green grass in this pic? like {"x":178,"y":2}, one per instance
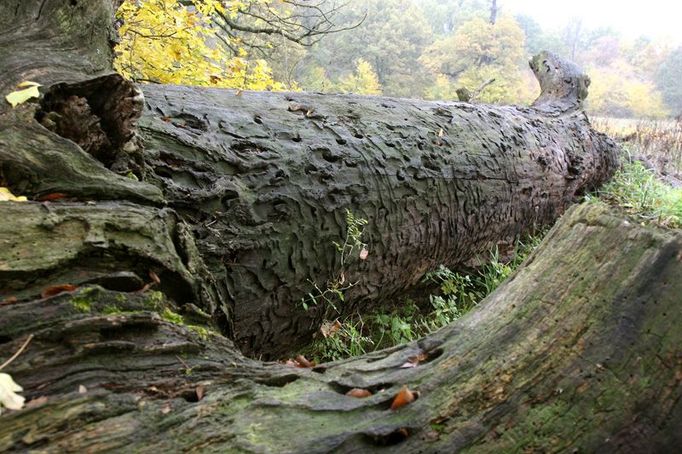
{"x":643,"y":196}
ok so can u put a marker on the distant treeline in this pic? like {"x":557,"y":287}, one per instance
{"x":407,"y":48}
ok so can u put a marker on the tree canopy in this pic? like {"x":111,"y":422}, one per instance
{"x":419,"y":49}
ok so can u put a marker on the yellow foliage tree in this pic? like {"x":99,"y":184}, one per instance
{"x":614,"y":94}
{"x":479,"y":51}
{"x":165,"y":41}
{"x":364,"y":81}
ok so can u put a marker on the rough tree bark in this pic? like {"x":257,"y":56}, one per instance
{"x":233,"y":206}
{"x":261,"y":181}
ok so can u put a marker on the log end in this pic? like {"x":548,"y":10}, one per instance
{"x":563,"y":85}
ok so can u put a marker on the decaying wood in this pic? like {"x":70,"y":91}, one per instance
{"x":579,"y":350}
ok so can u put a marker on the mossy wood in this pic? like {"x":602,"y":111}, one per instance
{"x":191,"y":218}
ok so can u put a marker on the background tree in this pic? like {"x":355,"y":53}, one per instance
{"x":668,"y":80}
{"x":479,"y":51}
{"x":391,"y":38}
{"x":213,"y":43}
{"x":363,"y":80}
{"x":417,"y":49}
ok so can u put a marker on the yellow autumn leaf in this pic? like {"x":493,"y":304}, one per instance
{"x":28,"y":83}
{"x":30,"y":90}
{"x":7,"y":196}
{"x":8,"y":393}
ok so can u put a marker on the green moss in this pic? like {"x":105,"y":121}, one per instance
{"x":81,"y":305}
{"x":440,"y":428}
{"x":154,"y":300}
{"x":121,"y":298}
{"x":201,"y":331}
{"x":110,"y":309}
{"x":172,"y":317}
{"x":83,"y":300}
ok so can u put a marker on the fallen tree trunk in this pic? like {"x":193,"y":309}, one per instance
{"x":578,"y":351}
{"x":264,"y":180}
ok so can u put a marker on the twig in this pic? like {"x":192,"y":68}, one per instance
{"x":480,"y":89}
{"x":183,"y":363}
{"x":21,"y":349}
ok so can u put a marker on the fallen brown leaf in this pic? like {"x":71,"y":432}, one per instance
{"x":52,"y":196}
{"x":154,"y":277}
{"x":413,"y":361}
{"x":404,"y":397}
{"x":9,"y":300}
{"x":201,"y":392}
{"x":36,"y":402}
{"x":359,"y":393}
{"x":328,"y":329}
{"x":57,"y":289}
{"x":304,"y":363}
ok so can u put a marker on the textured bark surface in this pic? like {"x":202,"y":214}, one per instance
{"x":265,"y":180}
{"x":262,"y":181}
{"x":580,"y":350}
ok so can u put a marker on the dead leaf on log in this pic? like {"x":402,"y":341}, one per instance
{"x":28,"y":90}
{"x":7,"y":196}
{"x":9,"y":300}
{"x":328,"y":329}
{"x":154,"y":277}
{"x":201,"y":392}
{"x":359,"y":393}
{"x":404,"y":397}
{"x":52,"y":196}
{"x":413,"y":361}
{"x":301,"y":362}
{"x":304,"y":363}
{"x":57,"y":289}
{"x":82,"y":389}
{"x":38,"y":401}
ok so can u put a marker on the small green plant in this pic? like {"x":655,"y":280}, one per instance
{"x":351,"y":247}
{"x":347,"y":341}
{"x":353,"y":242}
{"x":394,"y":329}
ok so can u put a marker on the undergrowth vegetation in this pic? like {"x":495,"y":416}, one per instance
{"x":454,"y":295}
{"x":658,"y":142}
{"x":640,"y":192}
{"x":649,"y":184}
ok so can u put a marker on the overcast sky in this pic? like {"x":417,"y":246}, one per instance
{"x":655,"y":18}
